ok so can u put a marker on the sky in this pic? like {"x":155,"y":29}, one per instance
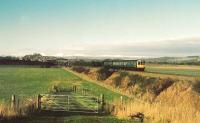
{"x":146,"y":28}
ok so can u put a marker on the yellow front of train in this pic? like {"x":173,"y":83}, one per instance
{"x":141,"y":65}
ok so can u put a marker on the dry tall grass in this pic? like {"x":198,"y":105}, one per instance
{"x":177,"y":103}
{"x":7,"y":112}
{"x":159,"y":112}
{"x":27,"y":107}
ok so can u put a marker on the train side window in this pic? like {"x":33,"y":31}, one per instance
{"x":143,"y":62}
{"x":130,"y":63}
{"x":134,"y":63}
{"x":124,"y":63}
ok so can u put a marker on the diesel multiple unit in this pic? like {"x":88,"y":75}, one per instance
{"x":126,"y":64}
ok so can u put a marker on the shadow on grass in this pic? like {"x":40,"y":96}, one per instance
{"x":66,"y":117}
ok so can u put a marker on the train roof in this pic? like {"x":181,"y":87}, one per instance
{"x":124,"y":60}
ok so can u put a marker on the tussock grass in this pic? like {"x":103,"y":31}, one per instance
{"x":6,"y":112}
{"x":80,"y":69}
{"x":104,"y":73}
{"x":26,"y":108}
{"x":178,"y":104}
{"x":196,"y":85}
{"x":162,"y":99}
{"x":139,"y":85}
{"x":159,"y":112}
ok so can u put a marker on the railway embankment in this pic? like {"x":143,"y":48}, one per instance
{"x":166,"y":97}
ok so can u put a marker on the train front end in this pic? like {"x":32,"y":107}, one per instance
{"x":141,"y":65}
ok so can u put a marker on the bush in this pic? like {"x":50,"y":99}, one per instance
{"x":162,"y":85}
{"x":152,"y":79}
{"x":196,"y":85}
{"x":104,"y":73}
{"x":80,"y":69}
{"x":118,"y":80}
{"x":141,"y":81}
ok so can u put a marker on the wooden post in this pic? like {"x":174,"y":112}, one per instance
{"x":102,"y":102}
{"x":18,"y":105}
{"x":68,"y":104}
{"x":13,"y":102}
{"x":39,"y":102}
{"x":121,"y":98}
{"x":83,"y":91}
{"x":75,"y":88}
{"x":97,"y":99}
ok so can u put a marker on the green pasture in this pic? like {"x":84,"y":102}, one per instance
{"x":30,"y":81}
{"x":73,"y":119}
{"x":175,"y":71}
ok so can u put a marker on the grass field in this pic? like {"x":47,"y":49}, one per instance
{"x":72,"y":119}
{"x":174,"y":69}
{"x":26,"y":82}
{"x":30,"y":81}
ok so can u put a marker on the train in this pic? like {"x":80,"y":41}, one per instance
{"x":136,"y":65}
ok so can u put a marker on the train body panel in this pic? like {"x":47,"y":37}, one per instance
{"x":126,"y":64}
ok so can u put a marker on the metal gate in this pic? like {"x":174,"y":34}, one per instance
{"x":69,"y":103}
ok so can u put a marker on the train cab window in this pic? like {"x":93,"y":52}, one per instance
{"x":141,"y":62}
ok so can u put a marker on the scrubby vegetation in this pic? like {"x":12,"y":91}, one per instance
{"x":104,"y":73}
{"x":133,"y":84}
{"x":80,"y":69}
{"x":24,"y":108}
{"x":196,"y":85}
{"x":140,"y":85}
{"x":159,"y":99}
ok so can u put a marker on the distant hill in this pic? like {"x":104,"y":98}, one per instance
{"x":190,"y":60}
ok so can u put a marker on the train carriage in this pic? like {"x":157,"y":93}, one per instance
{"x":138,"y":65}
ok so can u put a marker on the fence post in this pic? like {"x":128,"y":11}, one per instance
{"x":102,"y":102}
{"x":83,"y":91}
{"x":75,"y":88}
{"x":18,"y":105}
{"x":97,"y":99}
{"x":121,"y":98}
{"x":13,"y":102}
{"x":39,"y":102}
{"x":68,"y":106}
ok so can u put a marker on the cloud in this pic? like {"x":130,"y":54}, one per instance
{"x":172,"y":47}
{"x":59,"y":55}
